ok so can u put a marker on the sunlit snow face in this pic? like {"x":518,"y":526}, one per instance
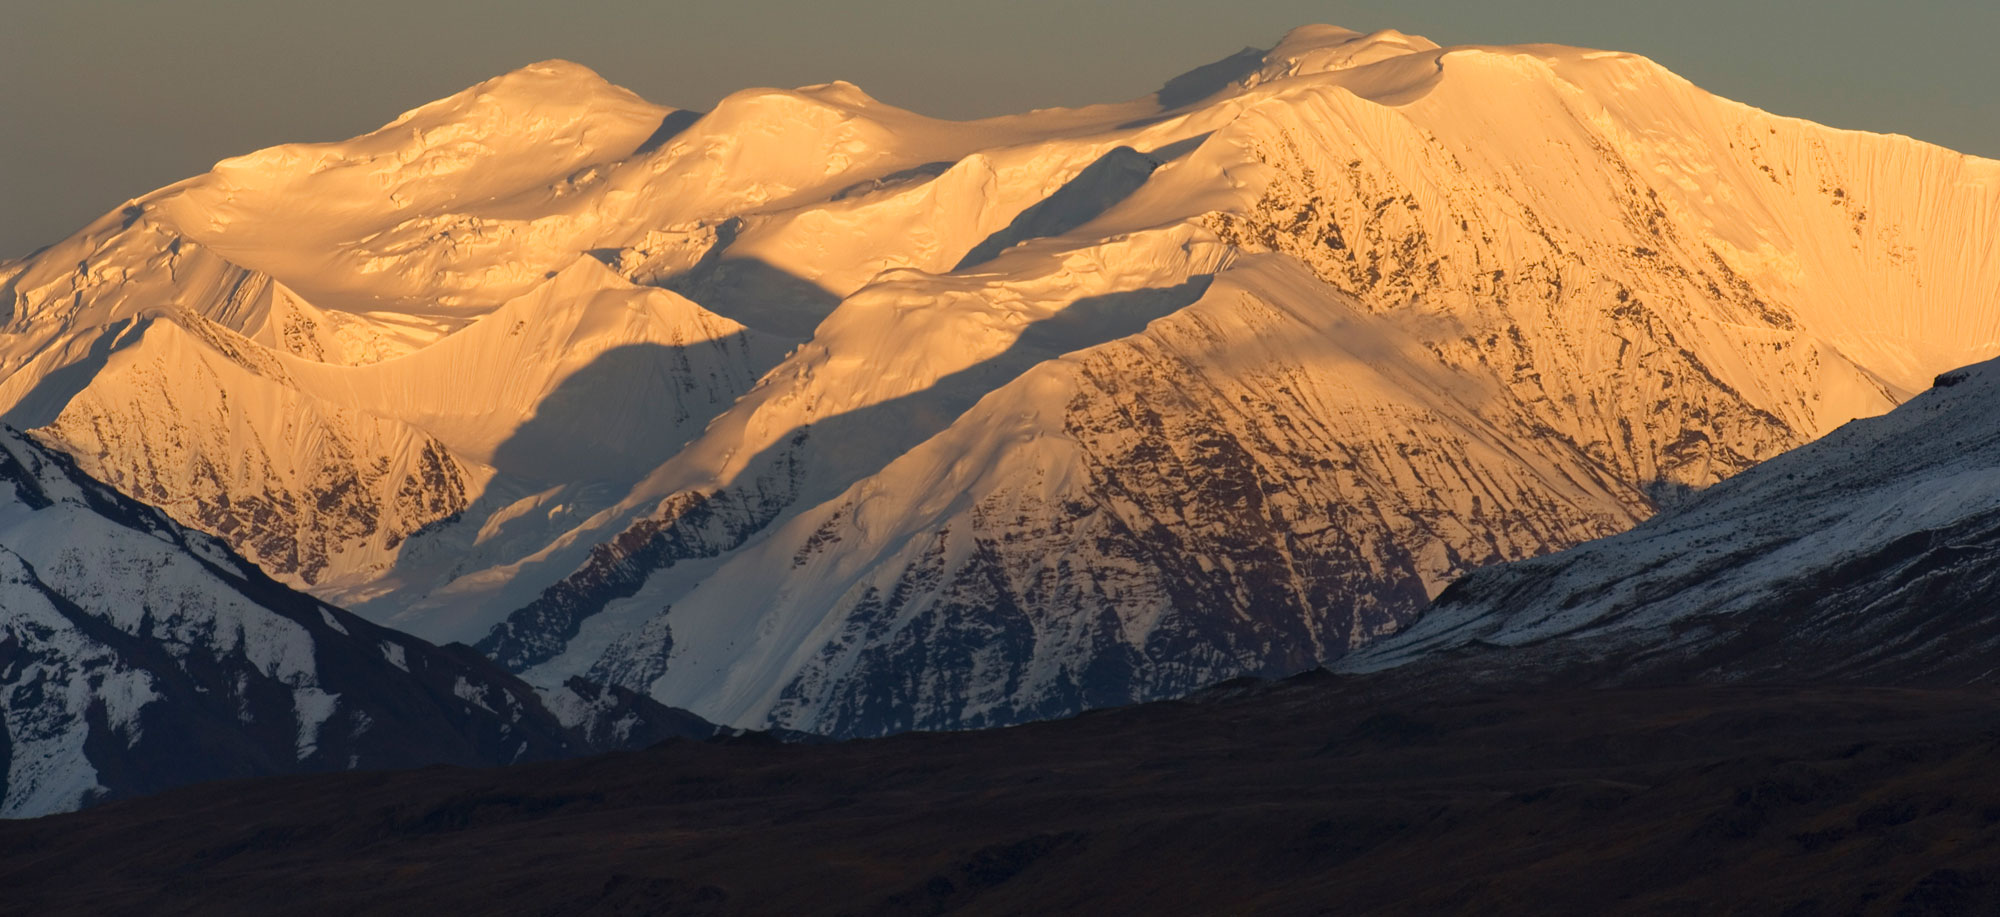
{"x":757,"y":411}
{"x":1913,"y":69}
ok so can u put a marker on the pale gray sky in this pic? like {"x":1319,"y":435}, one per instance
{"x":102,"y":101}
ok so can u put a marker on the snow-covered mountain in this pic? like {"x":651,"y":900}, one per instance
{"x":813,"y":412}
{"x":312,"y":352}
{"x":1869,"y":556}
{"x":136,"y":655}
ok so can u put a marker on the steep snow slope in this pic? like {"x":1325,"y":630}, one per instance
{"x":317,"y":441}
{"x":995,"y":419}
{"x":1867,"y":556}
{"x":1438,"y":309}
{"x":136,"y":655}
{"x":306,"y":274}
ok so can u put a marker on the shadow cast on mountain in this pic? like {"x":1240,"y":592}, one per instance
{"x":603,"y":422}
{"x":561,"y":458}
{"x":871,"y":437}
{"x":752,"y":292}
{"x":917,"y":173}
{"x":1200,"y":83}
{"x":1101,"y":185}
{"x":781,"y":477}
{"x":747,"y":290}
{"x":1209,"y":79}
{"x":588,"y":442}
{"x":1175,"y":150}
{"x":744,"y":289}
{"x":53,"y":392}
{"x":670,"y":127}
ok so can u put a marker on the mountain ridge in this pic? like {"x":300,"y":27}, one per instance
{"x":136,"y":656}
{"x":1223,"y":386}
{"x":1859,"y":558}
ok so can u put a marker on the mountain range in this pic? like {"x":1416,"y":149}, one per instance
{"x":815,"y":414}
{"x":1774,"y":698}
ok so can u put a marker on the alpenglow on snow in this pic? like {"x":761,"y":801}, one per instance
{"x":812,"y":412}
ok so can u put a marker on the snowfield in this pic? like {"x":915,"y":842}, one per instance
{"x":812,"y":412}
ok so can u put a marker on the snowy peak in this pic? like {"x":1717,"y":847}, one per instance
{"x":1305,"y":51}
{"x":1490,"y":277}
{"x":472,"y":140}
{"x":813,"y":412}
{"x":1323,"y":48}
{"x":354,"y":223}
{"x":553,"y":83}
{"x":841,"y":93}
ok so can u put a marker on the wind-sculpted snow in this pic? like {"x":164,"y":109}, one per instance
{"x":813,"y":412}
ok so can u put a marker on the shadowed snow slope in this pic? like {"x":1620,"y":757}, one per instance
{"x":136,"y":655}
{"x":813,"y":412}
{"x":1869,"y":556}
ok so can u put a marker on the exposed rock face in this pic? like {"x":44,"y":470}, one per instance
{"x":136,"y":655}
{"x":1411,"y":345}
{"x":1867,"y":557}
{"x":318,"y":389}
{"x":813,"y":413}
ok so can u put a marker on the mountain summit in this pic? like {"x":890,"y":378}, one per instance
{"x":813,"y":412}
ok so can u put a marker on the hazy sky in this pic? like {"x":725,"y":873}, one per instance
{"x":103,"y":101}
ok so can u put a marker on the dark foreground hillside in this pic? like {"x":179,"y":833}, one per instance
{"x":1310,"y":796}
